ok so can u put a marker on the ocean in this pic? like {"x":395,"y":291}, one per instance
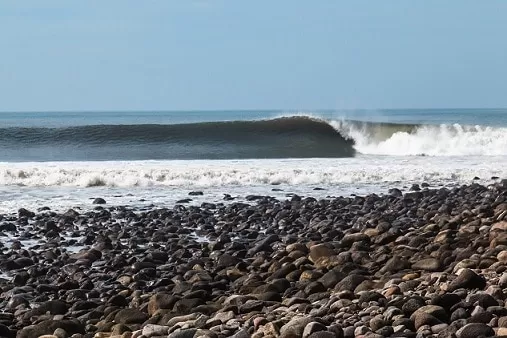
{"x":150,"y":159}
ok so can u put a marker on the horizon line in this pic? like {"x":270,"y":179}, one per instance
{"x":238,"y":110}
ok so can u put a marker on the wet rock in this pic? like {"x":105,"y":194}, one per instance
{"x":22,"y":212}
{"x":99,"y":200}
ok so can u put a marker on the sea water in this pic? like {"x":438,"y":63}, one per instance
{"x":149,"y":159}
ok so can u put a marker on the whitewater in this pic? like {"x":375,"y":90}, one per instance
{"x":157,"y":160}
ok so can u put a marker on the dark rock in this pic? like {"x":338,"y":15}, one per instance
{"x":130,"y":316}
{"x":251,"y":306}
{"x":468,"y":279}
{"x":313,"y":327}
{"x":99,"y":200}
{"x":427,"y":264}
{"x":370,"y":296}
{"x":49,"y":326}
{"x":185,"y":333}
{"x":22,"y":212}
{"x":475,"y":330}
{"x":295,"y":327}
{"x":483,"y":299}
{"x":264,"y":244}
{"x":459,"y":313}
{"x":350,"y":282}
{"x":331,"y":278}
{"x":314,"y":287}
{"x":447,"y":300}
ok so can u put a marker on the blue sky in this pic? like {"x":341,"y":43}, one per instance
{"x":289,"y":54}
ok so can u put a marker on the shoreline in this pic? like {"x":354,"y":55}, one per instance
{"x":426,"y":263}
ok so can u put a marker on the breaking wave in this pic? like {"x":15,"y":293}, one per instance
{"x":283,"y":137}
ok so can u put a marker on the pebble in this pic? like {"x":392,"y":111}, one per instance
{"x":427,"y":262}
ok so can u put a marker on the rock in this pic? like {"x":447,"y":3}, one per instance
{"x":434,"y":310}
{"x":314,"y":287}
{"x":395,"y":192}
{"x":130,"y":316}
{"x":319,"y":251}
{"x":295,"y":327}
{"x":429,"y":315}
{"x":161,"y":301}
{"x":54,"y":307}
{"x":119,"y":329}
{"x":151,"y":330}
{"x":475,"y":330}
{"x":22,"y":212}
{"x":422,"y":319}
{"x":60,"y":333}
{"x":428,"y":264}
{"x":264,"y":244}
{"x":331,"y":278}
{"x":195,"y":193}
{"x":323,"y":334}
{"x":350,"y":282}
{"x":482,"y":299}
{"x":446,"y":300}
{"x":312,"y":328}
{"x":395,"y":264}
{"x":99,"y":200}
{"x":241,"y":334}
{"x":181,"y":319}
{"x":48,"y":327}
{"x":377,"y":323}
{"x":6,"y":332}
{"x":223,"y":317}
{"x":468,"y":279}
{"x":186,"y":333}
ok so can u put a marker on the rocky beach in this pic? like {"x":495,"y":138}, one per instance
{"x":424,"y":263}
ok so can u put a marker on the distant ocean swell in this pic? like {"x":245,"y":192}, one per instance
{"x":285,"y":137}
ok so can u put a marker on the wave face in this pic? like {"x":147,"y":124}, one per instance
{"x":286,"y":137}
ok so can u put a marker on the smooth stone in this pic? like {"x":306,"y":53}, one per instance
{"x":468,"y":279}
{"x":295,"y":327}
{"x":130,"y":316}
{"x":427,"y":264}
{"x":312,"y":328}
{"x":99,"y":200}
{"x":185,"y":333}
{"x":475,"y":330}
{"x":223,"y":317}
{"x":150,"y":330}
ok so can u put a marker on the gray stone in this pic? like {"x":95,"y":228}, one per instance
{"x":475,"y":330}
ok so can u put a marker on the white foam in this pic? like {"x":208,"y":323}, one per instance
{"x":161,"y":183}
{"x":223,"y":173}
{"x":432,"y":140}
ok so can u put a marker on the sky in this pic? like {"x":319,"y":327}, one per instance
{"x":69,"y":55}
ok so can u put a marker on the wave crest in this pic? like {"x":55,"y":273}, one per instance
{"x":431,"y":140}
